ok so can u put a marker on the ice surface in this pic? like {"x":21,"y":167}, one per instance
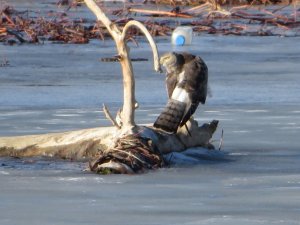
{"x":255,"y":95}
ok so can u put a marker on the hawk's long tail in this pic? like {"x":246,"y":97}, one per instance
{"x":171,"y":116}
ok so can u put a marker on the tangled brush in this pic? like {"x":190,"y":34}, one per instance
{"x":131,"y":154}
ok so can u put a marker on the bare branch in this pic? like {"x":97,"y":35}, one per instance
{"x":127,"y":71}
{"x":221,"y":140}
{"x":109,"y":117}
{"x":148,"y":36}
{"x":163,"y":13}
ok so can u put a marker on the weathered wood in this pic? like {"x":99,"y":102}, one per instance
{"x":72,"y":144}
{"x":153,"y":46}
{"x":128,"y":109}
{"x":85,"y":144}
{"x":110,"y":118}
{"x":127,"y":71}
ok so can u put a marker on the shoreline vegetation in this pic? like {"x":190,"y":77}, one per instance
{"x":250,"y":18}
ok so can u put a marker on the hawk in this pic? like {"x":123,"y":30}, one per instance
{"x":186,"y":81}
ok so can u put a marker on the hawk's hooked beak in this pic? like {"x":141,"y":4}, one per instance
{"x":160,"y":69}
{"x":157,"y":65}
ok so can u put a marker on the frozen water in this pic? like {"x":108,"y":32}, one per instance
{"x":255,"y":95}
{"x":250,"y":189}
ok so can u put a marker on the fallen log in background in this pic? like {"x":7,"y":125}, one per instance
{"x":160,"y":13}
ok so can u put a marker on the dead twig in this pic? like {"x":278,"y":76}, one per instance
{"x":197,"y":8}
{"x":160,"y":13}
{"x":221,"y":140}
{"x":109,"y":117}
{"x":8,"y":19}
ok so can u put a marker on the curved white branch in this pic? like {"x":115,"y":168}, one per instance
{"x":128,"y":76}
{"x":148,"y":36}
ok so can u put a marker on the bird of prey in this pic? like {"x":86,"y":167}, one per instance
{"x":186,"y":81}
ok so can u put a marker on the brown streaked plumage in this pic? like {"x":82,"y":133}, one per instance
{"x":186,"y":82}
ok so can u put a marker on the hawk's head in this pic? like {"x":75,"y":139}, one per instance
{"x":172,"y":61}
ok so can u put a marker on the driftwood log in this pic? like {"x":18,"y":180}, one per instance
{"x":102,"y":145}
{"x":126,"y":147}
